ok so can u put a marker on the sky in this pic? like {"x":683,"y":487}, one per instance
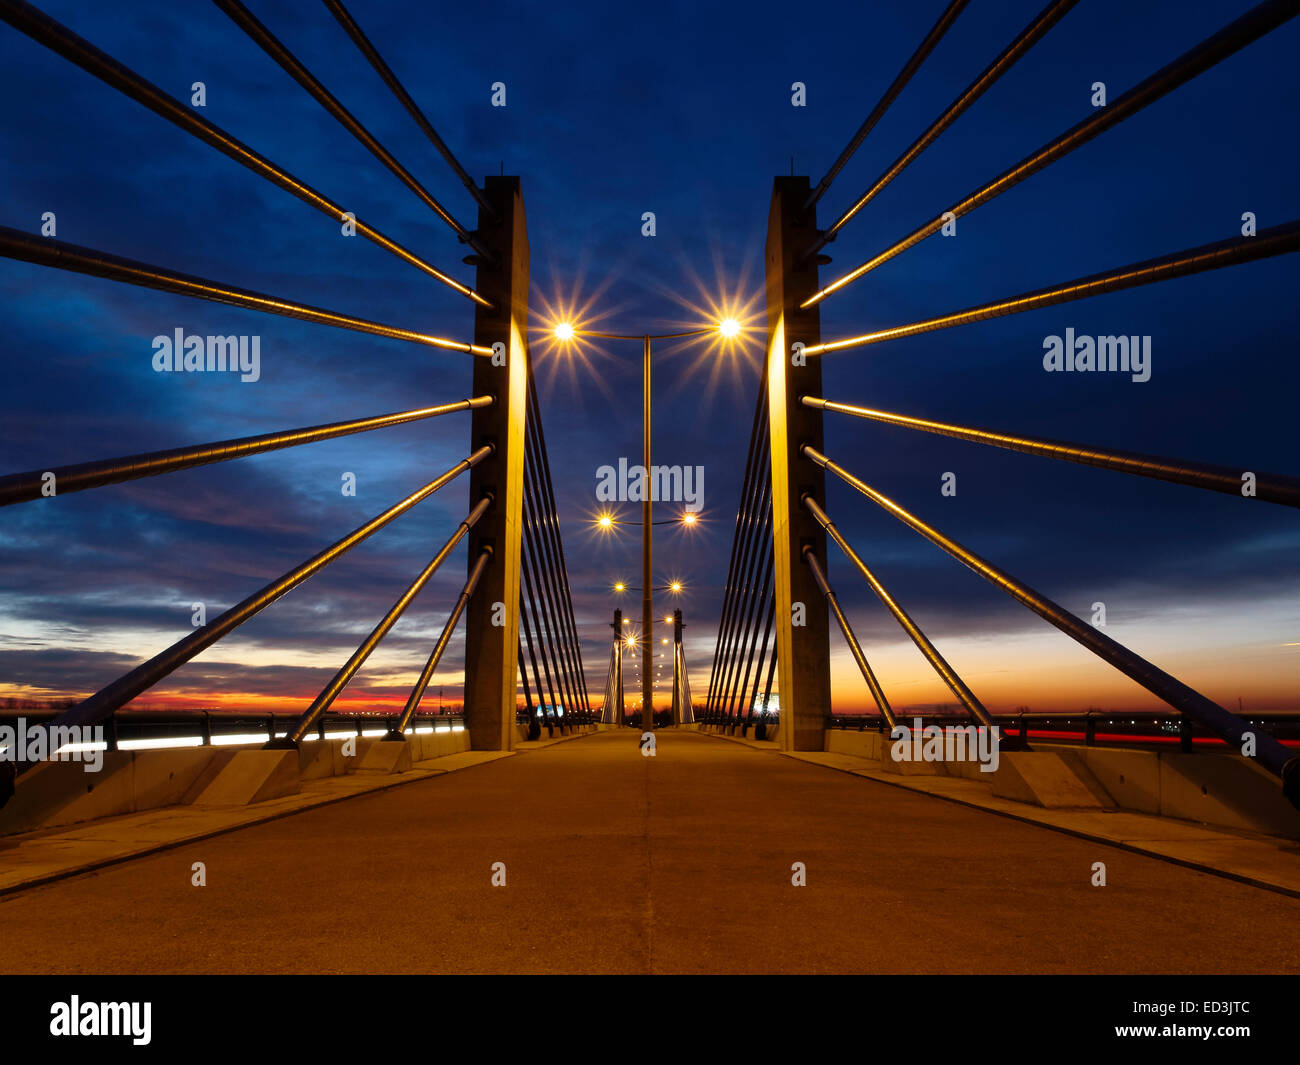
{"x":685,"y":110}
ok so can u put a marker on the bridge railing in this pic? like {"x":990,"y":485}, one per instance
{"x":1094,"y":727}
{"x":795,"y":403}
{"x":206,"y":728}
{"x":510,"y":490}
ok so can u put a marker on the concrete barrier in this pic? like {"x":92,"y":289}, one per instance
{"x":859,"y":744}
{"x":62,"y":793}
{"x":326,"y":758}
{"x":53,"y":794}
{"x":1043,"y":778}
{"x":389,"y":756}
{"x":252,"y":776}
{"x":1224,"y":789}
{"x":1210,"y":787}
{"x":1131,"y":777}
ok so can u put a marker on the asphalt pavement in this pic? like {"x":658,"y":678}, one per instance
{"x":613,"y":862}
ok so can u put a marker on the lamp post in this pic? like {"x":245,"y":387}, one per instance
{"x":645,"y":641}
{"x":565,"y":332}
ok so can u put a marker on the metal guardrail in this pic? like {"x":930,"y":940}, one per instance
{"x":211,"y":725}
{"x":1094,"y":727}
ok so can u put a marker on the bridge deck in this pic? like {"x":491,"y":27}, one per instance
{"x":400,"y":882}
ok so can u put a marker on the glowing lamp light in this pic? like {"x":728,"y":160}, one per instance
{"x":676,"y":586}
{"x":564,"y":331}
{"x":620,"y":587}
{"x":688,"y":518}
{"x":605,"y":521}
{"x":729,"y":327}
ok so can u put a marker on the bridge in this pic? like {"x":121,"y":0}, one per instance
{"x":734,"y":822}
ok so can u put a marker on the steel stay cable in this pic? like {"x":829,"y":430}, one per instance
{"x":536,"y":592}
{"x":1271,"y":488}
{"x":762,"y":658}
{"x":864,"y":667}
{"x":523,"y":678}
{"x":940,"y":665}
{"x":913,"y":64}
{"x":1012,"y":54}
{"x":757,"y":561}
{"x":435,"y":656}
{"x":525,"y":556}
{"x":545,"y":581}
{"x":24,"y":487}
{"x":767,"y":563}
{"x":532,"y":654}
{"x":1276,"y":240}
{"x":385,"y":72}
{"x":559,"y":567}
{"x":1269,"y":751}
{"x":292,"y":66}
{"x":752,"y":490}
{"x":735,"y":537}
{"x":46,"y":251}
{"x":559,"y":541}
{"x":1257,"y":22}
{"x":58,"y":38}
{"x":554,"y":594}
{"x":334,"y":687}
{"x":758,"y":527}
{"x":121,"y":691}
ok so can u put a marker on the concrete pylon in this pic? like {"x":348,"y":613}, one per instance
{"x":492,"y":619}
{"x":683,"y":706}
{"x":802,"y":619}
{"x":612,"y":712}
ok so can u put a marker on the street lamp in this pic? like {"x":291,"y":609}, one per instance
{"x":608,"y":521}
{"x":729,"y":328}
{"x":675,"y":587}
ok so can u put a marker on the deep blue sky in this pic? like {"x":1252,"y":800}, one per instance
{"x":682,"y":109}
